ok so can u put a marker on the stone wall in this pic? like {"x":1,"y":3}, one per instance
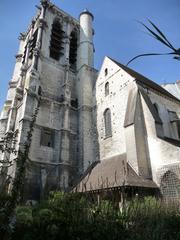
{"x":119,"y":85}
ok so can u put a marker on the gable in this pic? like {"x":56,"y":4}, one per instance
{"x":108,"y":70}
{"x":142,"y":80}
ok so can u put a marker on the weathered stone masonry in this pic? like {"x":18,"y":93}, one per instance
{"x":119,"y":121}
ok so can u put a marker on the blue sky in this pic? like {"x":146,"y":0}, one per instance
{"x":117,"y":33}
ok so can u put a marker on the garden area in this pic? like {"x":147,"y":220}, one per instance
{"x":74,"y":217}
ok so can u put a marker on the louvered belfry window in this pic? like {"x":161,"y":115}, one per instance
{"x":56,"y":44}
{"x":32,"y":44}
{"x":107,"y":122}
{"x":73,"y":50}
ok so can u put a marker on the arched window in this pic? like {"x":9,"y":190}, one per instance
{"x":73,"y":50}
{"x":170,"y":185}
{"x":106,"y":72}
{"x":106,"y":89}
{"x":107,"y":123}
{"x":56,"y":44}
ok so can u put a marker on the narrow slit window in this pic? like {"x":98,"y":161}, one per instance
{"x":156,"y":108}
{"x":107,"y":89}
{"x":178,"y":128}
{"x":107,"y":123}
{"x":56,"y":44}
{"x":106,"y":72}
{"x":73,"y":50}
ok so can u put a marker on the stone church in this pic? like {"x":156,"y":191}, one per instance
{"x":95,"y":131}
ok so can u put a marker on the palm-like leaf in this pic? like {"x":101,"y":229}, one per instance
{"x":162,"y":35}
{"x":149,"y":54}
{"x":158,"y":35}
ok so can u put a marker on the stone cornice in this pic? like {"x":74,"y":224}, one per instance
{"x":18,"y":57}
{"x":29,"y":119}
{"x":92,"y":69}
{"x":85,"y":108}
{"x":64,"y":16}
{"x":41,"y":23}
{"x":22,"y":36}
{"x":13,"y":84}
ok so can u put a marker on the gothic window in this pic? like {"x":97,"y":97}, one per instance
{"x":106,"y":72}
{"x":47,"y":137}
{"x":56,"y":44}
{"x":32,"y":43}
{"x":106,"y":89}
{"x":107,"y":123}
{"x":73,"y":50}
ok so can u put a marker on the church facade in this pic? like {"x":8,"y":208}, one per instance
{"x":97,"y":126}
{"x":138,"y":125}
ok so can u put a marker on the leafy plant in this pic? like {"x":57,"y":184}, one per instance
{"x":8,"y":210}
{"x":156,"y":33}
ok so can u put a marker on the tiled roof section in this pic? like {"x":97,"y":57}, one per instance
{"x":145,"y":81}
{"x":111,"y":173}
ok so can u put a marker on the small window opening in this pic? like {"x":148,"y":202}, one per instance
{"x":178,"y":128}
{"x":73,"y":50}
{"x":107,"y":122}
{"x":47,"y":137}
{"x":156,"y":108}
{"x":106,"y":72}
{"x":61,"y":99}
{"x":107,"y":89}
{"x":56,"y":44}
{"x":39,"y":90}
{"x":32,"y":44}
{"x":74,"y":103}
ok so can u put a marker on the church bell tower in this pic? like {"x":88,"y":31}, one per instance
{"x":54,"y":65}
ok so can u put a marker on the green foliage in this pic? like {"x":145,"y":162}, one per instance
{"x":24,"y":216}
{"x":156,"y":33}
{"x":7,"y":208}
{"x":74,"y":217}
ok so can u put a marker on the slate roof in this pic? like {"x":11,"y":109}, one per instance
{"x":111,"y":173}
{"x":144,"y":80}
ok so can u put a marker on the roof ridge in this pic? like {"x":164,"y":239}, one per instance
{"x":144,"y":80}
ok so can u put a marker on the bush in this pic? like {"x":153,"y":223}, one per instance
{"x":73,"y":217}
